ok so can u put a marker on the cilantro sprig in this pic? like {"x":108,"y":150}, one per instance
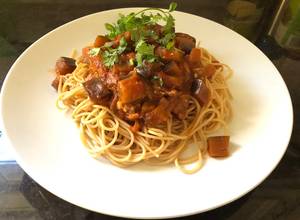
{"x":110,"y":55}
{"x":138,"y":25}
{"x":144,"y":52}
{"x":135,"y":22}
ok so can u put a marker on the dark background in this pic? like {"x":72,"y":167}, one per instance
{"x":24,"y":21}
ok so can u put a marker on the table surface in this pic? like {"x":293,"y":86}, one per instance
{"x":278,"y":197}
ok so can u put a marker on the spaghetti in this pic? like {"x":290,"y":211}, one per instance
{"x":105,"y":134}
{"x":145,"y":93}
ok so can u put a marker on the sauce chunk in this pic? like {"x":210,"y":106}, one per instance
{"x":218,"y":146}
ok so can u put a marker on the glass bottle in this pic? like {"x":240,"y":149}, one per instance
{"x":286,"y":30}
{"x":245,"y":16}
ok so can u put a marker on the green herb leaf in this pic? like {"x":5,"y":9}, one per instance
{"x":144,"y":52}
{"x":108,"y":44}
{"x":156,"y":18}
{"x":158,"y":79}
{"x":172,"y":6}
{"x":170,"y":24}
{"x":144,"y":48}
{"x":139,"y":59}
{"x":151,"y":58}
{"x":170,"y":45}
{"x":109,"y":27}
{"x":135,"y":35}
{"x":136,"y":23}
{"x":140,"y":27}
{"x":94,"y":51}
{"x":167,"y":38}
{"x":122,"y":46}
{"x":111,"y":56}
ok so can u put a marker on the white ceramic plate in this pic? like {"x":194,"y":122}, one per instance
{"x":48,"y":147}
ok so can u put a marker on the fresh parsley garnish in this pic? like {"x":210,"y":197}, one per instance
{"x":111,"y":56}
{"x":168,"y":40}
{"x":136,"y":24}
{"x":170,"y":44}
{"x":158,"y":79}
{"x":141,"y":27}
{"x":94,"y":51}
{"x":172,"y":6}
{"x":109,"y":27}
{"x":144,"y":52}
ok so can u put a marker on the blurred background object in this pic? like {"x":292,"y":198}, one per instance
{"x":248,"y":16}
{"x":273,"y":25}
{"x":286,"y":29}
